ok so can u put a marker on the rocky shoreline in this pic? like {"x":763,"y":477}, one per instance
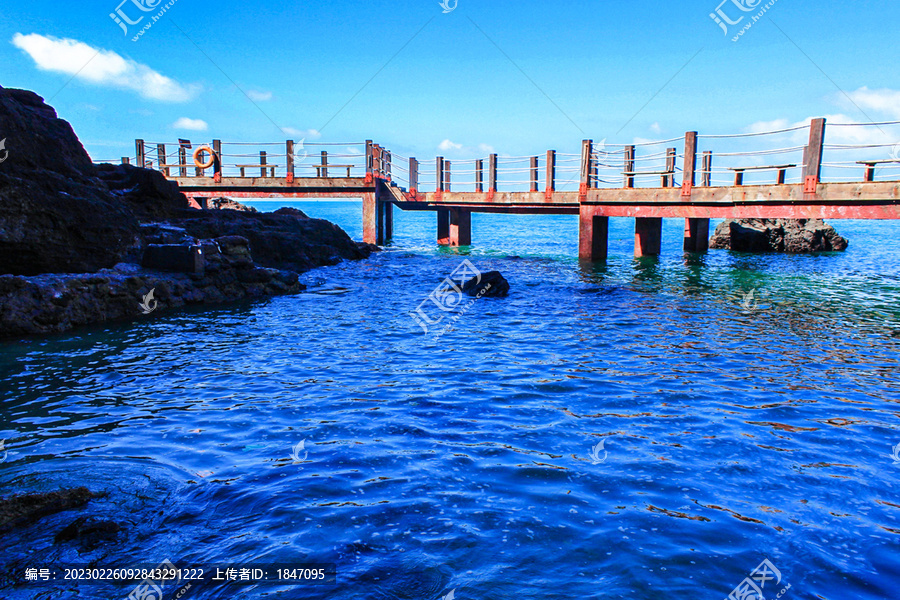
{"x":83,"y":243}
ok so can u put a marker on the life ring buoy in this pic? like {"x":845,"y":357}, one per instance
{"x":209,"y":163}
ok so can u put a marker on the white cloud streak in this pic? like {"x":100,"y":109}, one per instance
{"x":101,"y":67}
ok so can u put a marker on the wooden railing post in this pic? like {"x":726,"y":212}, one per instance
{"x":139,"y":153}
{"x":446,"y":175}
{"x":689,"y":168}
{"x":413,"y":175}
{"x":492,"y":174}
{"x":671,"y":157}
{"x":587,"y":157}
{"x":629,"y":166}
{"x":388,"y":161}
{"x":263,"y":163}
{"x":182,"y":159}
{"x":161,"y":158}
{"x":534,"y":174}
{"x":706,"y":177}
{"x":479,"y":175}
{"x":812,"y":169}
{"x":440,"y":174}
{"x":550,"y":180}
{"x":217,"y":158}
{"x":324,"y":170}
{"x":369,"y":159}
{"x":126,"y":160}
{"x":289,"y":164}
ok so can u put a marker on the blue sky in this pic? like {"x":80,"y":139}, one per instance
{"x":449,"y":91}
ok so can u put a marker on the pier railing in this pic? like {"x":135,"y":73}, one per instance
{"x":794,"y":155}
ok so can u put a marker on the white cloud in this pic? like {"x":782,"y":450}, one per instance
{"x":101,"y":67}
{"x":486,"y":149}
{"x":354,"y":150}
{"x":448,"y":145}
{"x":259,"y":96}
{"x":655,"y":128}
{"x":884,"y":101}
{"x":312,"y":134}
{"x":190,"y":124}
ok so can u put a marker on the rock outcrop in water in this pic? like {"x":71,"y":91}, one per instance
{"x":74,"y":235}
{"x":26,"y":509}
{"x":489,"y":285}
{"x":777,"y":235}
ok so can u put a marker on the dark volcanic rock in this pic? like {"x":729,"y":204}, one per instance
{"x":278,"y":241}
{"x":88,"y":532}
{"x":54,"y":214}
{"x":149,"y":195}
{"x":288,"y":210}
{"x":24,"y":510}
{"x":777,"y":235}
{"x":229,"y":204}
{"x":491,"y":285}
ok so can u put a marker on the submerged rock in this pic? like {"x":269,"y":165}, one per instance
{"x":777,"y":235}
{"x":490,"y":285}
{"x":19,"y":511}
{"x":88,"y":532}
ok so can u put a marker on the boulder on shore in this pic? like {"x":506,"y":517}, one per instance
{"x":795,"y":236}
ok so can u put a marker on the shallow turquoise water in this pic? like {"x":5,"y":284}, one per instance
{"x":732,"y":432}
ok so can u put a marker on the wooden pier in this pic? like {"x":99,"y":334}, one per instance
{"x":606,"y":187}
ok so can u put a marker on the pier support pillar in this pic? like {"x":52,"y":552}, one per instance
{"x":370,"y":218}
{"x":647,"y":236}
{"x":385,"y":222}
{"x":460,"y":227}
{"x":593,"y":235}
{"x":443,"y":226}
{"x":696,"y":235}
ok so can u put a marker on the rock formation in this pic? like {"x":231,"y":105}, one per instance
{"x":74,"y":236}
{"x":777,"y":235}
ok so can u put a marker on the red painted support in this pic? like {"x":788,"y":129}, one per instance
{"x":492,"y":176}
{"x":289,"y":164}
{"x":460,"y":227}
{"x":370,"y":218}
{"x":696,"y":231}
{"x":443,"y":226}
{"x":593,"y":235}
{"x":647,"y":236}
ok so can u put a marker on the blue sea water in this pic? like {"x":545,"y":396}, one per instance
{"x":735,"y":428}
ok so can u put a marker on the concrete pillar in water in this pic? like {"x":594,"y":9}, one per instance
{"x":696,"y":235}
{"x":460,"y":227}
{"x":593,"y":235}
{"x":647,"y":236}
{"x":443,"y":226}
